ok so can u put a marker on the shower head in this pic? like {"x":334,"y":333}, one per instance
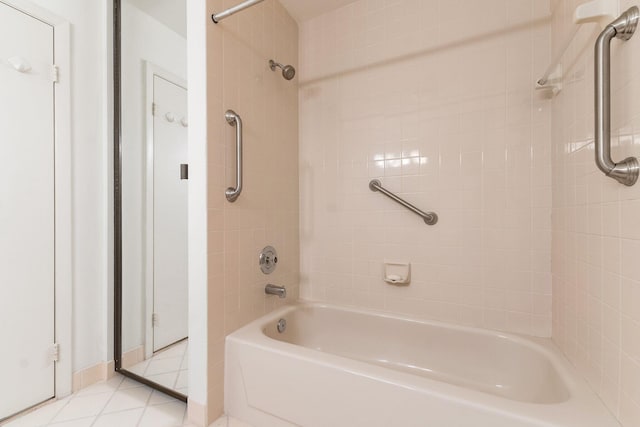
{"x":288,"y":72}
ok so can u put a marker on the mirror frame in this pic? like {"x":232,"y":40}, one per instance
{"x":117,"y":211}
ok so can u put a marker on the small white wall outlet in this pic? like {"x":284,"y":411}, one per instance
{"x":397,"y":272}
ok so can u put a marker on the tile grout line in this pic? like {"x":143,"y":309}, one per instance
{"x":106,"y":393}
{"x":16,"y":418}
{"x":184,"y":355}
{"x":107,"y":402}
{"x":68,"y":398}
{"x":73,"y":396}
{"x":146,"y":406}
{"x":177,"y":371}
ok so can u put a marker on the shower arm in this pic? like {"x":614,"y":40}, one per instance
{"x":626,"y":171}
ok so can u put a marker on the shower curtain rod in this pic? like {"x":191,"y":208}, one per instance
{"x":217,"y":17}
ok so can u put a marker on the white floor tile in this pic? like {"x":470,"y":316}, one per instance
{"x":128,"y":418}
{"x":139,"y":368}
{"x":120,"y":402}
{"x":128,"y":383}
{"x":220,"y":422}
{"x":165,"y":415}
{"x":177,"y":350}
{"x":232,"y":422}
{"x":168,"y":380}
{"x":225,"y":421}
{"x":158,"y":398}
{"x":163,"y":366}
{"x":82,"y":407}
{"x":128,"y":399}
{"x":183,"y":378}
{"x":40,"y":416}
{"x":108,"y":386}
{"x":82,"y":422}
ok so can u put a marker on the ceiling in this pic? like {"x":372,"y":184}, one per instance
{"x":302,"y":10}
{"x":172,"y":13}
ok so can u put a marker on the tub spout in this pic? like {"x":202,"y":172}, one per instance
{"x":280,"y":291}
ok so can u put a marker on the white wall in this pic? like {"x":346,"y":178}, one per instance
{"x":143,"y":39}
{"x":198,"y":293}
{"x":90,"y":143}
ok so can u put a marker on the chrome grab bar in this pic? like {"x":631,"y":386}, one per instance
{"x":217,"y":17}
{"x":234,"y":120}
{"x":625,"y":172}
{"x":430,"y":218}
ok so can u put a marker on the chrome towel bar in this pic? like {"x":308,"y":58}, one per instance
{"x":626,"y":171}
{"x":430,"y":218}
{"x":234,"y":120}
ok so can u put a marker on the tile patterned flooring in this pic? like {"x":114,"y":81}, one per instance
{"x":119,"y":402}
{"x":168,"y":367}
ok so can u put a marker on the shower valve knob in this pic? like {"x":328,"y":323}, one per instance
{"x":268,"y":260}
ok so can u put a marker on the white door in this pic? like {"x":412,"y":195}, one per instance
{"x":26,"y":211}
{"x":169,"y":213}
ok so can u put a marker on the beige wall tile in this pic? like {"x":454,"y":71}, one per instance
{"x":266,"y":213}
{"x":450,"y":121}
{"x":596,"y":235}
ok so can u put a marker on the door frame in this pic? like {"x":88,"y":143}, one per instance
{"x":63,"y":278}
{"x":151,"y":70}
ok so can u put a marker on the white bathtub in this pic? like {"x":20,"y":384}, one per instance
{"x":335,"y":367}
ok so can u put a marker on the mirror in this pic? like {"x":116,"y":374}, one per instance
{"x":151,"y":283}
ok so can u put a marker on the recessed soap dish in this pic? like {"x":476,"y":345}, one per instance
{"x":397,"y":272}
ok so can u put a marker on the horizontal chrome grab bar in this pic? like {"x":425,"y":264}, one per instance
{"x":430,"y":218}
{"x":625,"y":171}
{"x":234,"y":120}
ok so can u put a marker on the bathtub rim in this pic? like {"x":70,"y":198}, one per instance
{"x":582,"y":400}
{"x":542,"y":344}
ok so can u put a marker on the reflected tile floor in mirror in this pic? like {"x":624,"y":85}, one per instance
{"x":167,"y":367}
{"x":118,"y":402}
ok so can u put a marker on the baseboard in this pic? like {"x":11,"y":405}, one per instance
{"x":197,"y":413}
{"x":96,"y":373}
{"x":132,"y":357}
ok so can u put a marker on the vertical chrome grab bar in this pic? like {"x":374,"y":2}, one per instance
{"x":430,"y":218}
{"x":625,"y":172}
{"x":234,"y":120}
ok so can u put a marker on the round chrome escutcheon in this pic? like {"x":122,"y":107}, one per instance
{"x":282,"y":325}
{"x":268,"y":259}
